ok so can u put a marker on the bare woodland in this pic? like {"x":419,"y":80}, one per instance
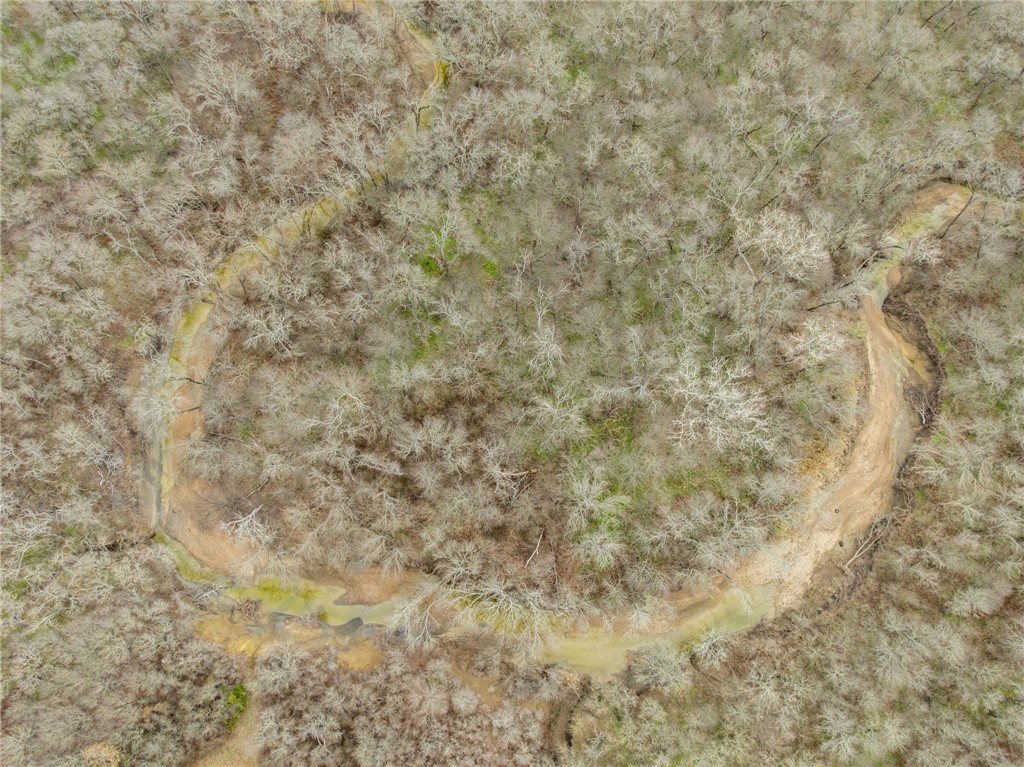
{"x":594,"y":345}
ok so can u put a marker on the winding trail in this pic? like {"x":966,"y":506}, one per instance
{"x":199,"y":337}
{"x":769,"y":581}
{"x":776,"y":577}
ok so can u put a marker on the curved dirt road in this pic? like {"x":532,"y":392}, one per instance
{"x":771,"y":580}
{"x":167,"y":504}
{"x":864,"y":489}
{"x":776,"y":577}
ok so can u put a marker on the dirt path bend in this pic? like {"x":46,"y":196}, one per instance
{"x":864,"y":489}
{"x":765,"y":583}
{"x":168,"y":504}
{"x":776,"y":577}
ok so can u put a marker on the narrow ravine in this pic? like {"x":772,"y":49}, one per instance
{"x":772,"y":580}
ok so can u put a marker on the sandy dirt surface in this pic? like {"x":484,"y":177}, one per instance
{"x":862,"y":490}
{"x":239,"y":750}
{"x":193,"y":517}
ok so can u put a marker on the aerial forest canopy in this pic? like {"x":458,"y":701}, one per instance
{"x":512,"y":383}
